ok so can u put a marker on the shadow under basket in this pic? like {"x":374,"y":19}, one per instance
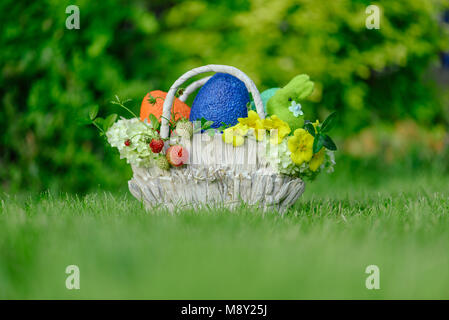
{"x":218,"y":174}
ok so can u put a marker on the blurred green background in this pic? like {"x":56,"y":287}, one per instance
{"x":390,"y":85}
{"x":386,"y":203}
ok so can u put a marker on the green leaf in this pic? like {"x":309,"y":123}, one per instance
{"x":329,"y":144}
{"x":329,"y":123}
{"x":83,"y":121}
{"x":205,"y":124}
{"x":155,"y":123}
{"x":208,"y":124}
{"x":93,"y":112}
{"x":109,"y":121}
{"x":223,"y":127}
{"x":99,"y":121}
{"x":310,"y":128}
{"x":318,"y":143}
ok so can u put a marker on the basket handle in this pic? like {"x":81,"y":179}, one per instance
{"x":166,"y":110}
{"x":192,"y":87}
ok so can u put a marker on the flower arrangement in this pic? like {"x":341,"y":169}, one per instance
{"x":139,"y":142}
{"x":302,"y":153}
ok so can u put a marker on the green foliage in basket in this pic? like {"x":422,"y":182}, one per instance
{"x":204,"y":125}
{"x":319,"y":132}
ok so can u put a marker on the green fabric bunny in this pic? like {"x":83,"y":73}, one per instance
{"x":285,"y":103}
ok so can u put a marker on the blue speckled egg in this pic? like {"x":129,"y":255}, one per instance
{"x":223,"y":98}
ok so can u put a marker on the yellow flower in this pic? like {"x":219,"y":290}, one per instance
{"x":278,"y":129}
{"x":317,"y":160}
{"x":253,"y":122}
{"x":235,"y":135}
{"x":301,"y":146}
{"x":241,"y":129}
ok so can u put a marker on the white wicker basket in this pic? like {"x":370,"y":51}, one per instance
{"x":218,"y":174}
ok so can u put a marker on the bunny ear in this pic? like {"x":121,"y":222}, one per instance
{"x":300,"y":86}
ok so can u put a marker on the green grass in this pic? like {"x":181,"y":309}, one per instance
{"x":320,"y":249}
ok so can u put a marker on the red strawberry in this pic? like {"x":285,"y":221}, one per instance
{"x":177,"y":155}
{"x":156,"y":145}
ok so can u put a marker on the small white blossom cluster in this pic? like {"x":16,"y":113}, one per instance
{"x":137,"y":135}
{"x":278,"y":156}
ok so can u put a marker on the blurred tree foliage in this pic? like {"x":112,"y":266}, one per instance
{"x":50,"y":75}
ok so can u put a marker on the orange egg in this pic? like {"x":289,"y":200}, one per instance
{"x":180,"y":109}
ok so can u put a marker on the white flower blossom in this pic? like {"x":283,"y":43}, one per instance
{"x":138,"y":135}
